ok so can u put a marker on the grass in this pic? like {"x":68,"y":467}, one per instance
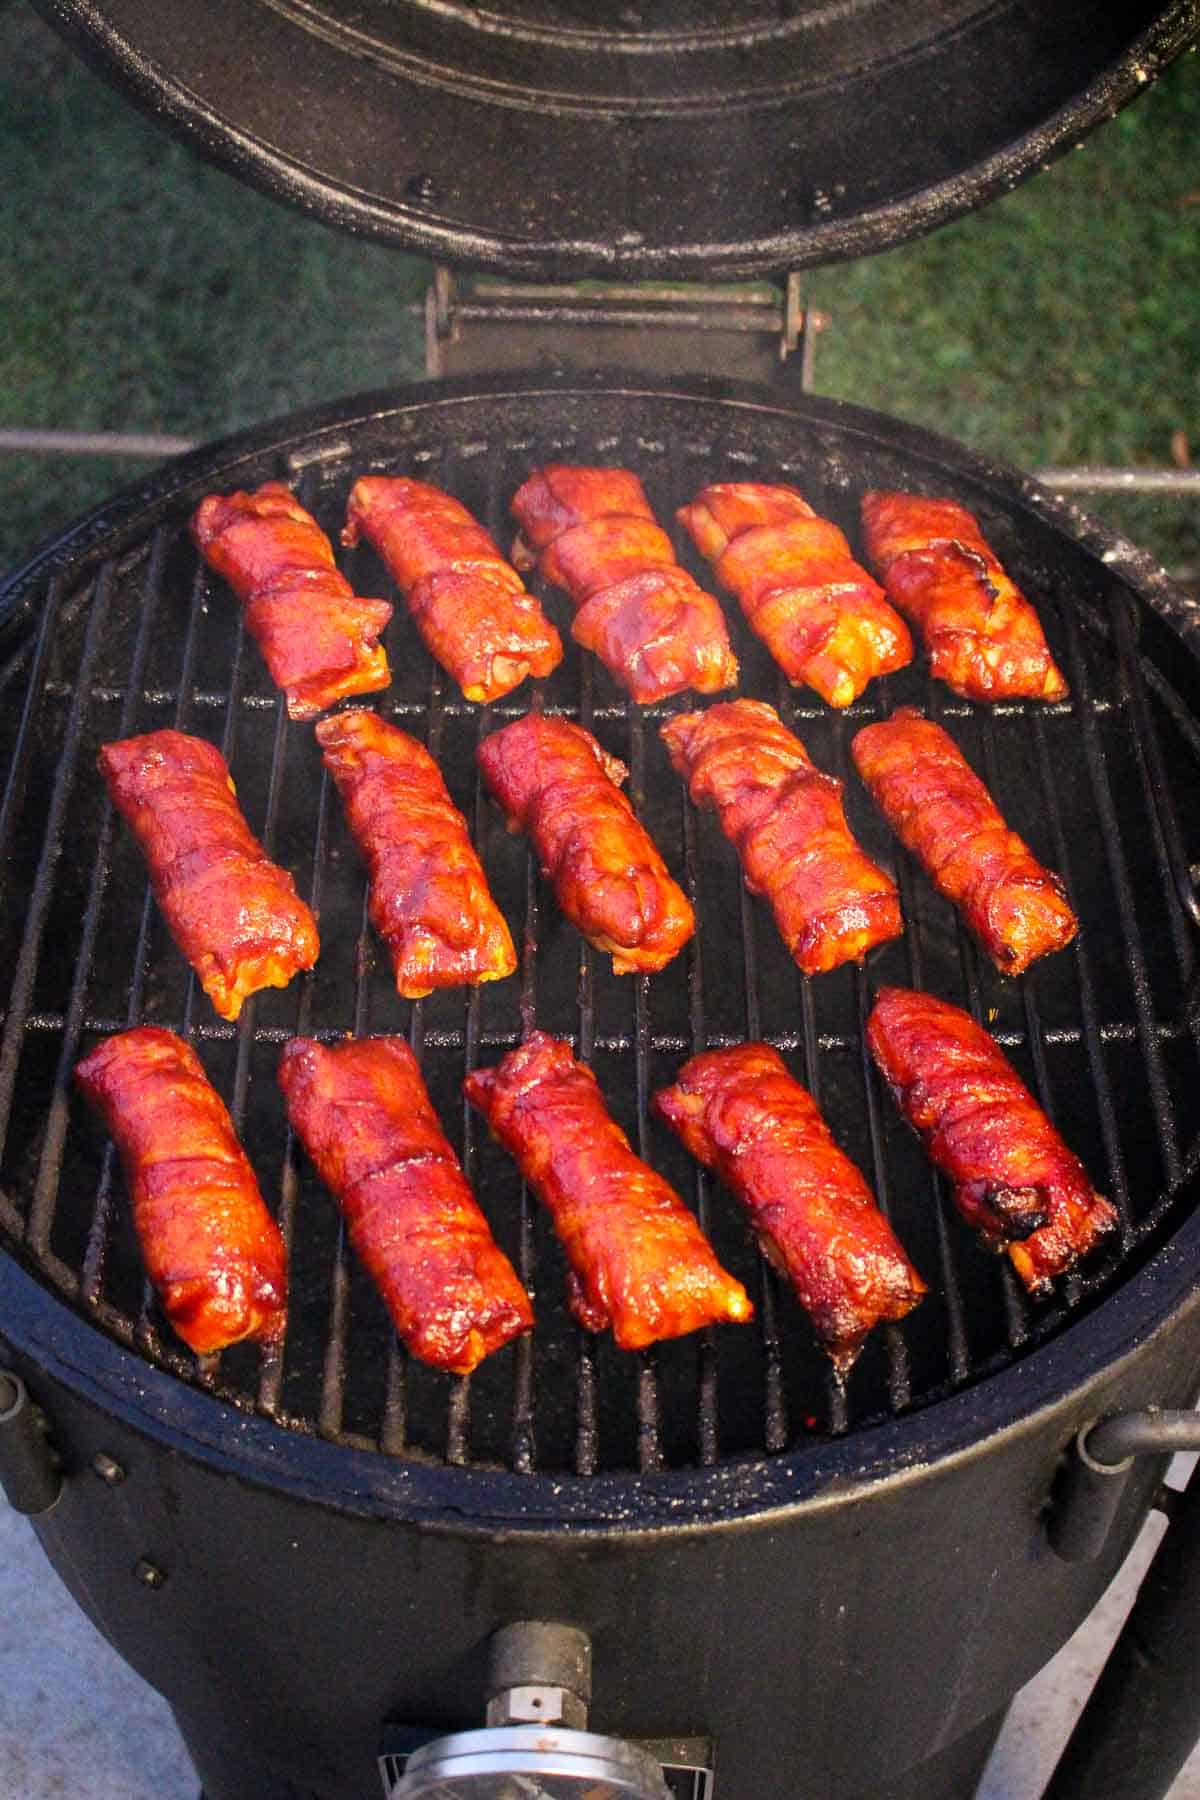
{"x":145,"y":290}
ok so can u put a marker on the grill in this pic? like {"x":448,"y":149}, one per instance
{"x":749,"y":1548}
{"x":136,"y":639}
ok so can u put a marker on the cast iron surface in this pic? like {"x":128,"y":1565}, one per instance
{"x":131,"y":634}
{"x":549,"y":137}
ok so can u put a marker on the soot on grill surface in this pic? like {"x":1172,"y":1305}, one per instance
{"x":141,"y":637}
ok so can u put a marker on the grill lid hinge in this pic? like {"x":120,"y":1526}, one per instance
{"x":748,"y":330}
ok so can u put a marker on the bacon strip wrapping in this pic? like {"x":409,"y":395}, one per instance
{"x":319,"y":640}
{"x":557,"y":784}
{"x":234,"y":913}
{"x":429,"y":897}
{"x":943,"y":813}
{"x":824,"y":620}
{"x":745,"y":1117}
{"x":591,"y":531}
{"x":1015,"y":1181}
{"x":470,"y":606}
{"x":984,"y":638}
{"x":363,"y":1114}
{"x":212,"y":1250}
{"x":638,"y":1260}
{"x":784,"y":816}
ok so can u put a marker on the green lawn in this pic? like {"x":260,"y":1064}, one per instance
{"x":141,"y":289}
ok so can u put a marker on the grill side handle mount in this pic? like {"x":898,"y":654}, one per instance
{"x":538,"y":1689}
{"x":29,"y":1472}
{"x":1093,"y":1481}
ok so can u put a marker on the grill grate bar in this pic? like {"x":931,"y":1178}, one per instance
{"x":587,"y":1420}
{"x":36,"y":690}
{"x":45,"y":1193}
{"x":100,"y":1228}
{"x":52,"y":845}
{"x":708,"y":1393}
{"x":775,"y":1424}
{"x":1119,"y":871}
{"x":650,"y":1451}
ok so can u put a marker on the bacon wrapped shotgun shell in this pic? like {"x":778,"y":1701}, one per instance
{"x":984,"y":639}
{"x":429,"y":898}
{"x":822,"y":617}
{"x":943,"y":813}
{"x":745,"y":1117}
{"x":1015,"y":1181}
{"x":784,"y":817}
{"x":211,"y":1249}
{"x":234,"y":913}
{"x":363,"y":1114}
{"x":638,"y":1260}
{"x":470,"y":606}
{"x":560,"y":787}
{"x":591,"y":531}
{"x":319,"y":640}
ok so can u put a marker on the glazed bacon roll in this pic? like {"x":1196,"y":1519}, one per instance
{"x":824,"y":620}
{"x":984,"y":639}
{"x":591,"y":531}
{"x":319,"y":640}
{"x":1015,"y":1181}
{"x":211,"y":1249}
{"x":234,"y":913}
{"x":363,"y":1114}
{"x":784,"y":817}
{"x":638,"y":1260}
{"x":743,"y":1115}
{"x":560,"y":787}
{"x":943,"y":813}
{"x":429,"y":898}
{"x":468,"y":604}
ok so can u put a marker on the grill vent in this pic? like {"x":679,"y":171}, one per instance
{"x":141,"y":638}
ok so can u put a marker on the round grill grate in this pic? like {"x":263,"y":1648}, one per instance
{"x":128,"y":633}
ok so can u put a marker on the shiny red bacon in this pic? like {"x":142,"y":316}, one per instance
{"x":943,"y":813}
{"x":784,"y":816}
{"x":363,"y":1114}
{"x":319,"y":640}
{"x":234,"y":913}
{"x":638,"y":1260}
{"x":591,"y":531}
{"x":468,"y":604}
{"x":983,"y":637}
{"x":744,"y":1116}
{"x":1014,"y":1179}
{"x":429,"y":900}
{"x":211,"y":1249}
{"x":824,"y":620}
{"x":557,"y":784}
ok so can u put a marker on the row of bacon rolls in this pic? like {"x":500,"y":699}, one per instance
{"x":592,"y":533}
{"x":637,"y":1260}
{"x":238,"y":919}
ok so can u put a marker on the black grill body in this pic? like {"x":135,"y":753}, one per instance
{"x":844,"y":1583}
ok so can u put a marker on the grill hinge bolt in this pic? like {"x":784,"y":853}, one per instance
{"x":148,"y":1573}
{"x":109,"y":1471}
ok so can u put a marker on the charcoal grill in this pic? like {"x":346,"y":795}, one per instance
{"x":314,"y":1552}
{"x":716,"y":1478}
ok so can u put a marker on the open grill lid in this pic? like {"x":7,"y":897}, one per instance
{"x":131,"y":633}
{"x":550,"y":138}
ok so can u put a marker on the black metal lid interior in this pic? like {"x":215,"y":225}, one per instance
{"x":553,"y":138}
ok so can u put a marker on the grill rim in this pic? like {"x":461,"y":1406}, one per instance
{"x":1068,"y":1374}
{"x":1080,"y":1357}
